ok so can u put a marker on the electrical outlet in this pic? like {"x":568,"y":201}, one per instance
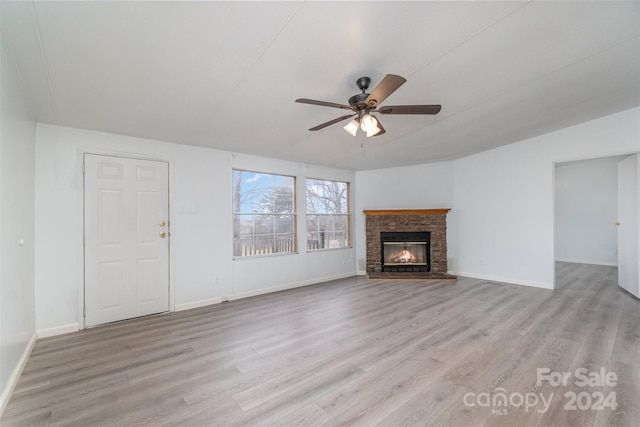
{"x":216,"y":280}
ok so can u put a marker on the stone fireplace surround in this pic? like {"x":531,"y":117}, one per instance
{"x":405,"y":220}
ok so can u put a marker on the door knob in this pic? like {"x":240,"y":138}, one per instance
{"x":161,"y":223}
{"x":163,"y":234}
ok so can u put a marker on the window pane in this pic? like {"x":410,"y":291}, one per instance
{"x":337,"y":239}
{"x":263,"y":224}
{"x":243,"y":246}
{"x":285,"y":242}
{"x":284,"y":224}
{"x":325,"y":223}
{"x":340,"y":223}
{"x":245,"y":192}
{"x":243,"y":224}
{"x":326,"y":196}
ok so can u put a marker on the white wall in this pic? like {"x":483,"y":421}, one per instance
{"x":586,"y":206}
{"x":504,"y":200}
{"x":501,"y":226}
{"x":17,"y":145}
{"x":413,"y":187}
{"x":201,"y":242}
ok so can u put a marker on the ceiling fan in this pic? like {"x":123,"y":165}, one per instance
{"x":363,"y":104}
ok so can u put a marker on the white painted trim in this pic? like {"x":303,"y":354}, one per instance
{"x":582,"y":261}
{"x":58,"y":330}
{"x":15,"y":376}
{"x":361,"y":273}
{"x":196,"y":304}
{"x":288,"y":286}
{"x":80,"y":209}
{"x":507,"y":280}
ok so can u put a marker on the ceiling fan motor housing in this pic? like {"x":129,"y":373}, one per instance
{"x":358,"y":101}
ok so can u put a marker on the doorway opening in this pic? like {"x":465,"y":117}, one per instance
{"x":585,"y":215}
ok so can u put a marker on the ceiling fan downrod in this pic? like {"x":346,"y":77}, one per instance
{"x":363,"y":83}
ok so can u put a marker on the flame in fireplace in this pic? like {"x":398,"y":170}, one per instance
{"x":405,"y":257}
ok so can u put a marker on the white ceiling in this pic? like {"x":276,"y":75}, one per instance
{"x":225,"y":74}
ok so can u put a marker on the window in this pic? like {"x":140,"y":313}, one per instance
{"x":328,"y":215}
{"x":264,"y":214}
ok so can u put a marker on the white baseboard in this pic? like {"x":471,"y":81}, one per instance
{"x":240,"y":295}
{"x":248,"y":294}
{"x":73,"y":327}
{"x":196,"y":304}
{"x":15,"y":376}
{"x":508,"y":280}
{"x":58,"y":330}
{"x":582,"y":261}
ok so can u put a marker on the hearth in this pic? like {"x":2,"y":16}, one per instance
{"x":405,"y":251}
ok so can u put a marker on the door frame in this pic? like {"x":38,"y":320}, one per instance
{"x":81,"y":151}
{"x":622,"y":224}
{"x":553,"y":192}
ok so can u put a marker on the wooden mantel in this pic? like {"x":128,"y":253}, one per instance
{"x":387,"y":212}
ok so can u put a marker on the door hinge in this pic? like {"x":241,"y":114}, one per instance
{"x":84,"y":311}
{"x":84,"y":240}
{"x":83,"y":168}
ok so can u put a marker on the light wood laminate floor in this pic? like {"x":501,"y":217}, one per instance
{"x":349,"y":352}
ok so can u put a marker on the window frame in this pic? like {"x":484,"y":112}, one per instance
{"x":235,"y":215}
{"x":347,"y":215}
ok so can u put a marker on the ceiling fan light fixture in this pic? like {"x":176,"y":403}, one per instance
{"x":373,"y":132}
{"x":369,"y":124}
{"x":352,"y":127}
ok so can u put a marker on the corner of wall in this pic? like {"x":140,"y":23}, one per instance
{"x":5,"y":396}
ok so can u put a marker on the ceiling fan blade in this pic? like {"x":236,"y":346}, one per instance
{"x":332,"y":122}
{"x":386,"y":87}
{"x":410,"y":109}
{"x":323,"y":103}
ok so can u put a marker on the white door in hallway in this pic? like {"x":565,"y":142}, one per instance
{"x":126,"y":227}
{"x":628,"y":217}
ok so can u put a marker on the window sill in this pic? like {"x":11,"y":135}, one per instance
{"x":310,"y":251}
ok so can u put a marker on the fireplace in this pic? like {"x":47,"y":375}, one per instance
{"x":406,"y":244}
{"x":405,"y":251}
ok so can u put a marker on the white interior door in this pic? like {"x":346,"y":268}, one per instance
{"x":126,"y":209}
{"x":628,"y":216}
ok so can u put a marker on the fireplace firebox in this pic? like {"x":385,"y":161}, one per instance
{"x":405,"y":251}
